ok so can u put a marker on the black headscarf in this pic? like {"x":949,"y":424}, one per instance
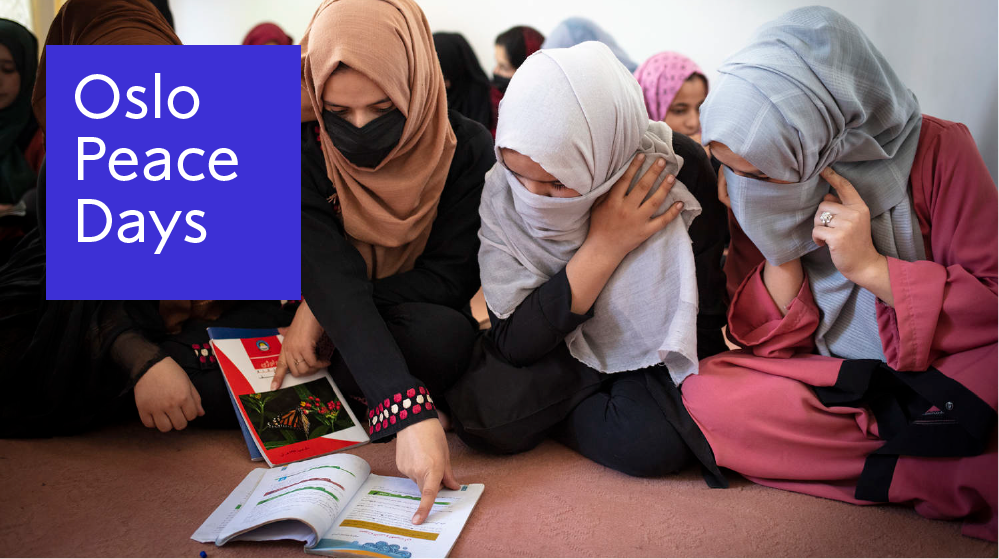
{"x":469,"y":90}
{"x":520,"y":42}
{"x":17,"y":123}
{"x":163,"y":6}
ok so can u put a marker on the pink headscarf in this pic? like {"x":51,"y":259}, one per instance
{"x":266,"y":32}
{"x":661,"y":76}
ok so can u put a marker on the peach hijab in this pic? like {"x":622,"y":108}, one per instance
{"x":388,"y":210}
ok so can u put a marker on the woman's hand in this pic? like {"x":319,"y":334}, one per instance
{"x":421,"y":454}
{"x":298,"y":351}
{"x":848,"y":236}
{"x":165,"y":397}
{"x":620,"y":221}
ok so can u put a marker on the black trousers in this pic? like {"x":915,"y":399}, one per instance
{"x":623,"y":421}
{"x":435,"y":341}
{"x":622,"y":427}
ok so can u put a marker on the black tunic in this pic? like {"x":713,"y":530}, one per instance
{"x":351,"y":307}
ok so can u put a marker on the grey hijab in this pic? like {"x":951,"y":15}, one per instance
{"x":579,"y":114}
{"x":811,"y":91}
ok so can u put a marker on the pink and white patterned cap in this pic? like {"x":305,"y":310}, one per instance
{"x":661,"y":77}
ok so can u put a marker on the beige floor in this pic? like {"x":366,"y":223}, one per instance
{"x":127,"y":491}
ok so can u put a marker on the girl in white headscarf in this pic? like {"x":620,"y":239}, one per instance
{"x":588,"y":276}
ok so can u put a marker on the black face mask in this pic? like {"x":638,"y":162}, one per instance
{"x":366,"y":146}
{"x":500,"y":83}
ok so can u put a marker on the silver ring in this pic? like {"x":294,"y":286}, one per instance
{"x":826,"y":217}
{"x":297,"y":362}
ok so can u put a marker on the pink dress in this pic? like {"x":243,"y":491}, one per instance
{"x":757,"y":406}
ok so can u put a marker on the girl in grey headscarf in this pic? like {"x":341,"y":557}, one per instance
{"x":584,"y":277}
{"x":878,"y":229}
{"x":867,"y":122}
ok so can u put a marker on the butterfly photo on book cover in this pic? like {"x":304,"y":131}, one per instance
{"x":295,"y":420}
{"x":296,"y":413}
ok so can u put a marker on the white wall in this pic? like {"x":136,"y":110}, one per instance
{"x":17,"y":10}
{"x":946,"y":52}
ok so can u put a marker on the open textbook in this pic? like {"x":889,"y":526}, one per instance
{"x":339,"y":508}
{"x":306,"y":417}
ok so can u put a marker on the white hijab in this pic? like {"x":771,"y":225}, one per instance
{"x":579,"y":113}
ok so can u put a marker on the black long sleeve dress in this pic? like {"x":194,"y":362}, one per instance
{"x":71,"y":365}
{"x":401,"y":340}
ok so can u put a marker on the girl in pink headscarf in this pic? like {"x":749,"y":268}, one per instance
{"x":674,"y":87}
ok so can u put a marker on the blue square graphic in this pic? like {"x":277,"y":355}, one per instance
{"x":237,"y":230}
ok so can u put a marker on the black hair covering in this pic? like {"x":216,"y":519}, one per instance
{"x":17,"y":123}
{"x":164,"y":8}
{"x":520,"y":42}
{"x":469,"y":90}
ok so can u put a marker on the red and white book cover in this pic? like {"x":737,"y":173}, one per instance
{"x":305,"y":418}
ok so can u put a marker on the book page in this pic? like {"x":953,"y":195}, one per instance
{"x":313,"y":492}
{"x":378,"y":521}
{"x":209,"y":531}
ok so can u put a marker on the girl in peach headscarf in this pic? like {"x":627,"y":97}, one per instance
{"x":390,"y":190}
